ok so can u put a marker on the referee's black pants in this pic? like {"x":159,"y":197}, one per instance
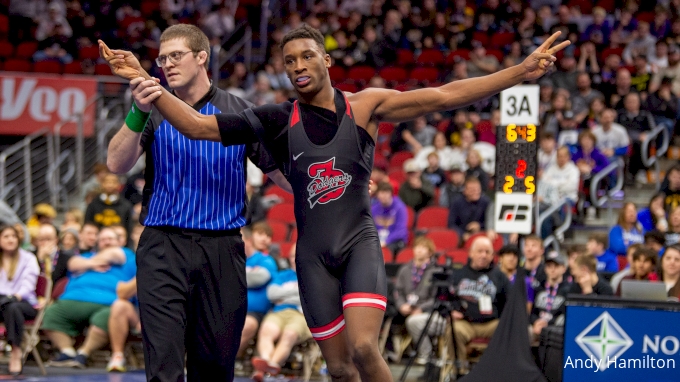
{"x":192,"y":296}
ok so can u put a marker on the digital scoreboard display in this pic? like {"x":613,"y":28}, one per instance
{"x":516,"y":159}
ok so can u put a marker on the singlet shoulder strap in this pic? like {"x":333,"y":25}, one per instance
{"x":255,"y":123}
{"x":295,"y":115}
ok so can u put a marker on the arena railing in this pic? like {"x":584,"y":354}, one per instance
{"x":557,"y":236}
{"x":653,"y":160}
{"x":616,"y":169}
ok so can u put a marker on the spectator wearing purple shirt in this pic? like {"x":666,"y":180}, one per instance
{"x":18,"y":278}
{"x":390,"y":217}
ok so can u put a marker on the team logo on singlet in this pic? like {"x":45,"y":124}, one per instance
{"x":328,"y":183}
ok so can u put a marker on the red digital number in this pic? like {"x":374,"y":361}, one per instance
{"x":521,"y":167}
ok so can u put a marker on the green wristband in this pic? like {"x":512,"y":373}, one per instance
{"x":136,"y":119}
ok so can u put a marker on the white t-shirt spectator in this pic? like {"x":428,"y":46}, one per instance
{"x":614,"y":138}
{"x":448,"y":157}
{"x":545,"y":159}
{"x":565,"y":180}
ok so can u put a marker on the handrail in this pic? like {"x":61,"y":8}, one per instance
{"x":559,"y":231}
{"x":616,"y":166}
{"x":55,"y":182}
{"x":654,"y":160}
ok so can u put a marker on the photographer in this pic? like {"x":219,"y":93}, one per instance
{"x":415,"y":295}
{"x":480,"y":292}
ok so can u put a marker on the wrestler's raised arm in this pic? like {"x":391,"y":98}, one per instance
{"x":391,"y":105}
{"x":181,"y":116}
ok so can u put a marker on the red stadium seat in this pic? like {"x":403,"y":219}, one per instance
{"x":608,"y":5}
{"x":4,"y":24}
{"x":280,"y":192}
{"x":26,"y":49}
{"x":645,"y":16}
{"x":444,"y":239}
{"x":351,"y":88}
{"x":285,"y":247}
{"x":6,"y":49}
{"x":337,"y":73}
{"x":411,"y":217}
{"x":73,"y":68}
{"x":497,"y":244}
{"x":397,"y":174}
{"x":388,"y":256}
{"x":149,"y":7}
{"x":385,"y":128}
{"x":102,"y":70}
{"x":394,"y":74}
{"x":459,"y":256}
{"x":361,"y":73}
{"x":279,"y":230}
{"x":432,"y":217}
{"x":623,"y":262}
{"x":430,"y":57}
{"x":397,"y":160}
{"x":53,"y":67}
{"x":462,"y":53}
{"x":481,"y":37}
{"x":17,"y":65}
{"x":405,"y":57}
{"x":405,"y":255}
{"x":502,"y":39}
{"x":91,"y":52}
{"x":283,"y":212}
{"x":424,"y":74}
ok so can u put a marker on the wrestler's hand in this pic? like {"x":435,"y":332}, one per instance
{"x":122,"y":63}
{"x":538,"y":63}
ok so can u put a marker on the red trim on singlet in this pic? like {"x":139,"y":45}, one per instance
{"x":329,"y":331}
{"x":369,"y":300}
{"x":295,"y":118}
{"x":348,"y":109}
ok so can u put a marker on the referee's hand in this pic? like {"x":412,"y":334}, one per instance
{"x":145,"y":92}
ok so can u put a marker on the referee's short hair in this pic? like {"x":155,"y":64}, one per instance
{"x":194,"y":37}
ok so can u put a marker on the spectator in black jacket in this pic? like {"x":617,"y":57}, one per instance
{"x":481,"y":293}
{"x":416,"y":191}
{"x":110,"y":208}
{"x":550,"y":296}
{"x":638,"y":123}
{"x":467,"y":212}
{"x":586,"y":279}
{"x":663,"y":105}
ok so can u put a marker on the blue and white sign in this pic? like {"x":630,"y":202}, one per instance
{"x":621,"y":344}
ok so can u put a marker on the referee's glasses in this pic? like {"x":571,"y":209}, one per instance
{"x":174,"y":57}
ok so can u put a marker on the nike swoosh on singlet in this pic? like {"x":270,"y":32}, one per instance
{"x":295,"y":157}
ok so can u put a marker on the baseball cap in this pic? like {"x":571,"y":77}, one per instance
{"x":410,"y":165}
{"x":44,"y":209}
{"x":556,"y":258}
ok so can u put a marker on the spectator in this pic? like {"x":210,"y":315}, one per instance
{"x":608,"y":74}
{"x":379,"y":175}
{"x":433,"y":172}
{"x":670,"y":271}
{"x":611,"y":138}
{"x":661,"y":26}
{"x":586,"y":279}
{"x":508,"y":261}
{"x":474,"y":162}
{"x":642,"y":43}
{"x":261,"y":92}
{"x":51,"y":21}
{"x":594,"y":113}
{"x":641,"y":75}
{"x":43,"y":213}
{"x":17,"y":293}
{"x":73,"y":218}
{"x":448,"y":157}
{"x":484,"y":305}
{"x":638,"y":123}
{"x":218,"y":23}
{"x":553,"y":118}
{"x":134,"y":188}
{"x":672,"y":189}
{"x":565,"y":77}
{"x":110,"y":208}
{"x":391,"y":218}
{"x":672,"y":236}
{"x":93,"y":185}
{"x":663,"y":105}
{"x":88,"y":237}
{"x":415,"y":296}
{"x":481,"y":63}
{"x":87,"y":299}
{"x":284,"y":326}
{"x":467,"y":211}
{"x":643,"y":267}
{"x":547,"y":152}
{"x":622,"y":87}
{"x":670,"y":71}
{"x":545,"y":97}
{"x":57,"y":46}
{"x":416,"y":192}
{"x":421,"y":136}
{"x":599,"y":31}
{"x":533,"y":260}
{"x":597,"y":246}
{"x":624,"y":27}
{"x":659,"y":59}
{"x":260,"y":270}
{"x":627,"y":270}
{"x":589,"y":161}
{"x":563,"y":175}
{"x":627,"y":231}
{"x":486,"y":150}
{"x":654,"y":216}
{"x":584,"y":96}
{"x":565,"y":24}
{"x":655,"y":240}
{"x":123,"y":319}
{"x":453,"y":187}
{"x":68,"y":239}
{"x":550,"y":296}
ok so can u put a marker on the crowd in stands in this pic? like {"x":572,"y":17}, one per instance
{"x":432,"y":177}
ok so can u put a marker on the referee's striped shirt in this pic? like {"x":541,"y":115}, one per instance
{"x":195,"y":184}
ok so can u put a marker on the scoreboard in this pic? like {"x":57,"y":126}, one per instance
{"x":516,"y":159}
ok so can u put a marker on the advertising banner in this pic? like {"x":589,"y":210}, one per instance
{"x":621,"y":344}
{"x":29,"y":103}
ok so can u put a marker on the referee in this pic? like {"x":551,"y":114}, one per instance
{"x":191,"y":261}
